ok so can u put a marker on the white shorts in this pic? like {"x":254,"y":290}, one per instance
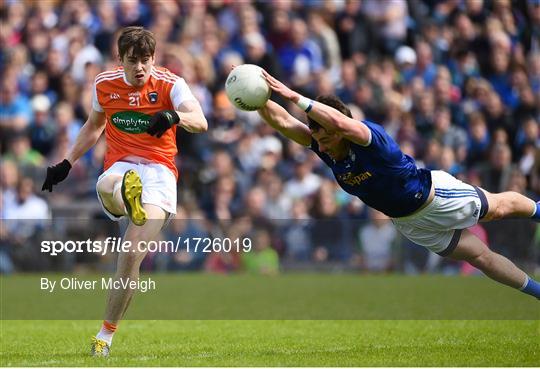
{"x":159,"y":185}
{"x":456,"y":206}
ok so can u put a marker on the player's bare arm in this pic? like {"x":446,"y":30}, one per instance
{"x":87,"y":138}
{"x":328,"y":117}
{"x":88,"y":135}
{"x":191,"y":116}
{"x":188,"y":115}
{"x":279,"y":119}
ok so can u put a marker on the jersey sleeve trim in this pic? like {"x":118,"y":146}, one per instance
{"x":370,"y":137}
{"x":95,"y":102}
{"x":181,"y":93}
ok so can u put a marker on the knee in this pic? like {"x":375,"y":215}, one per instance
{"x":499,"y":211}
{"x":106,"y":185}
{"x":130,"y":263}
{"x":499,"y":206}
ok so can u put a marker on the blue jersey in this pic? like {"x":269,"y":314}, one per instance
{"x":381,"y":175}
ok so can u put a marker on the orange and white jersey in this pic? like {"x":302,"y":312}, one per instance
{"x":128,"y":110}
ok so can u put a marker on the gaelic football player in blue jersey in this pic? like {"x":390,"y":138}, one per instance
{"x":431,"y":208}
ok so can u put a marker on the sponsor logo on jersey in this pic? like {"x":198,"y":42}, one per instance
{"x":354,"y":180}
{"x":131,"y":121}
{"x":115,"y":96}
{"x":152,"y":97}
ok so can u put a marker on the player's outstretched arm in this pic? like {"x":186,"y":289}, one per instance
{"x":328,"y":117}
{"x":279,"y":119}
{"x":87,"y":137}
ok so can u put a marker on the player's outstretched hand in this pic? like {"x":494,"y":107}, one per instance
{"x":280,"y":88}
{"x":56,"y":174}
{"x":161,"y":122}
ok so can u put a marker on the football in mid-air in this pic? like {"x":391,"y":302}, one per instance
{"x":246,"y":87}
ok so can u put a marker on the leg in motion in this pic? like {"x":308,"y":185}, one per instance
{"x":123,"y":196}
{"x":495,"y":266}
{"x":510,"y":205}
{"x":127,"y":269}
{"x":109,"y":189}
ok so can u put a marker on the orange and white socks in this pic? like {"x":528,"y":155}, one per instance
{"x":107,"y":331}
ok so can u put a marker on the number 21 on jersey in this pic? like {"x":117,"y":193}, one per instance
{"x":134,"y":101}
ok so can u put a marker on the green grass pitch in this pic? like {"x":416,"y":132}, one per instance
{"x":276,"y":343}
{"x":288,"y":320}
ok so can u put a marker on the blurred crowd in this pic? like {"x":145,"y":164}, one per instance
{"x":455,"y":82}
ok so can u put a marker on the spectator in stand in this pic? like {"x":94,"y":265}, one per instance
{"x":495,"y":175}
{"x":21,"y":152}
{"x":42,"y":128}
{"x":15,"y":111}
{"x":186,"y":226}
{"x":279,"y":32}
{"x":328,"y":230}
{"x":23,"y":220}
{"x":378,"y":241}
{"x":26,"y":204}
{"x":528,"y":134}
{"x":297,"y":233}
{"x":390,"y":19}
{"x":432,"y":154}
{"x":448,"y":134}
{"x":66,"y":121}
{"x":254,"y":206}
{"x":533,"y":69}
{"x":304,"y":183}
{"x":500,"y":77}
{"x":479,"y":139}
{"x":9,"y":175}
{"x":278,"y":203}
{"x":496,"y":114}
{"x":425,"y":67}
{"x":356,"y":33}
{"x":327,"y":40}
{"x":424,"y":109}
{"x":407,"y":132}
{"x":262,"y":259}
{"x":258,"y":53}
{"x":302,"y":57}
{"x":447,"y":162}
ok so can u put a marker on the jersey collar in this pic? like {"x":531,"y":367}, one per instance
{"x":347,"y":160}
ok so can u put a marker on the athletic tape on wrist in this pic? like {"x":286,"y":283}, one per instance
{"x":305,"y":104}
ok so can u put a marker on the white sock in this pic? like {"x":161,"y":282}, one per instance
{"x":535,"y":207}
{"x":105,"y":335}
{"x":524,"y":284}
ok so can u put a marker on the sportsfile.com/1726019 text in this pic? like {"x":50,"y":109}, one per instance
{"x":116,"y":244}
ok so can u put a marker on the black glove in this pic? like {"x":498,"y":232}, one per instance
{"x":161,"y":122}
{"x":56,"y":174}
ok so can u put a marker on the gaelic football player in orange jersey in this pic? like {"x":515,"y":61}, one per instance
{"x":140,"y":107}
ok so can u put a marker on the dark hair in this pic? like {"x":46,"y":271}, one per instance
{"x":140,"y":41}
{"x":334,"y":102}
